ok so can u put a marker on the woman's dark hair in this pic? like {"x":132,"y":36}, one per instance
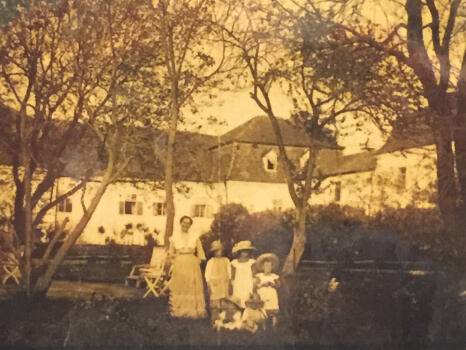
{"x":186,"y":217}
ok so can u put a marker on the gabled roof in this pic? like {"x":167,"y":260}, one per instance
{"x":408,"y":133}
{"x":244,"y":162}
{"x":259,"y":130}
{"x":415,"y":131}
{"x":198,"y":159}
{"x":190,"y":161}
{"x":331,"y":164}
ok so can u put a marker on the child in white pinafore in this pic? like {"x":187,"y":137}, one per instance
{"x":241,"y":271}
{"x":217,"y":275}
{"x":267,"y":283}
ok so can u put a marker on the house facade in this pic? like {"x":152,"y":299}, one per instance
{"x":243,"y":167}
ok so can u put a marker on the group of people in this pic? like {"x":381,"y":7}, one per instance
{"x":242,"y":293}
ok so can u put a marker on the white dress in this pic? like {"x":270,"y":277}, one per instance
{"x":186,"y":284}
{"x":243,"y":284}
{"x":268,"y":294}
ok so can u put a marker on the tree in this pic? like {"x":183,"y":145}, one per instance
{"x":284,"y":47}
{"x":72,"y":82}
{"x":193,"y":60}
{"x":428,"y":39}
{"x":230,"y":226}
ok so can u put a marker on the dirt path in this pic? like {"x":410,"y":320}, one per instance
{"x":84,"y":290}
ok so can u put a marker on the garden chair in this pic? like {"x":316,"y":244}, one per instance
{"x":10,"y":267}
{"x":153,"y":274}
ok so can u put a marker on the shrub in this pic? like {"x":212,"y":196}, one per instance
{"x":269,"y":231}
{"x":316,"y":305}
{"x":335,"y":233}
{"x":272,"y":232}
{"x":229,"y":226}
{"x":346,"y":234}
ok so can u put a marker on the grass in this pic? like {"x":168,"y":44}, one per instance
{"x":367,"y":309}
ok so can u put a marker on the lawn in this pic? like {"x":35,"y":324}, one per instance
{"x":367,"y":308}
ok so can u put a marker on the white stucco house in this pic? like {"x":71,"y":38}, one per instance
{"x":242,"y":166}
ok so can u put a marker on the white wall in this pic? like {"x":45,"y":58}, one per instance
{"x":356,"y":191}
{"x":421,"y":176}
{"x":259,"y":196}
{"x":107,"y":214}
{"x":370,"y":191}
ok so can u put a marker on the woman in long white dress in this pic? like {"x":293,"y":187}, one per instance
{"x":186,"y":285}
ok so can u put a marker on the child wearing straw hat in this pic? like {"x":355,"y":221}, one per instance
{"x":254,"y":317}
{"x":267,"y":283}
{"x":241,"y":274}
{"x":217,"y":275}
{"x":230,"y":317}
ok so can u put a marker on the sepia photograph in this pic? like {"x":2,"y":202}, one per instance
{"x":247,"y":174}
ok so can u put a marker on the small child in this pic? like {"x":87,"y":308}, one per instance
{"x":267,"y":283}
{"x":217,"y":275}
{"x":254,"y":316}
{"x":242,"y":276}
{"x":230,"y":315}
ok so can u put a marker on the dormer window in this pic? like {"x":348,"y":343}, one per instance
{"x":270,"y":161}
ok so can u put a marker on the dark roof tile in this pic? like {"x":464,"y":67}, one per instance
{"x":259,"y":130}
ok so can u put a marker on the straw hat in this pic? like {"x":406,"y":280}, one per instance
{"x":216,"y":245}
{"x":267,"y":257}
{"x":233,"y":299}
{"x":243,"y":245}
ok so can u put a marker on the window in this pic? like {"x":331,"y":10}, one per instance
{"x":202,"y":211}
{"x":65,"y":206}
{"x":270,"y":161}
{"x":401,"y":180}
{"x":131,"y":206}
{"x":337,"y":191}
{"x":277,"y":204}
{"x":199,"y":210}
{"x":159,"y":209}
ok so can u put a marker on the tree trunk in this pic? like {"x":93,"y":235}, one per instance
{"x":460,"y":144}
{"x":446,"y":177}
{"x":170,"y":205}
{"x":299,"y":242}
{"x":27,"y":228}
{"x":44,"y":281}
{"x":27,"y":211}
{"x":19,"y":220}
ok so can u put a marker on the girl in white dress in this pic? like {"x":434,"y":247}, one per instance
{"x":267,"y":283}
{"x":241,"y":271}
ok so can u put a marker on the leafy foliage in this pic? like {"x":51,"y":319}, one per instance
{"x":230,"y":226}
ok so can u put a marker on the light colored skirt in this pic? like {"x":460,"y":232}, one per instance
{"x":186,"y":288}
{"x":243,"y":286}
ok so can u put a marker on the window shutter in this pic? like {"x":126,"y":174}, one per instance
{"x":69,"y":205}
{"x":193,"y":210}
{"x":122,"y":207}
{"x":208,"y":211}
{"x":139,"y":208}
